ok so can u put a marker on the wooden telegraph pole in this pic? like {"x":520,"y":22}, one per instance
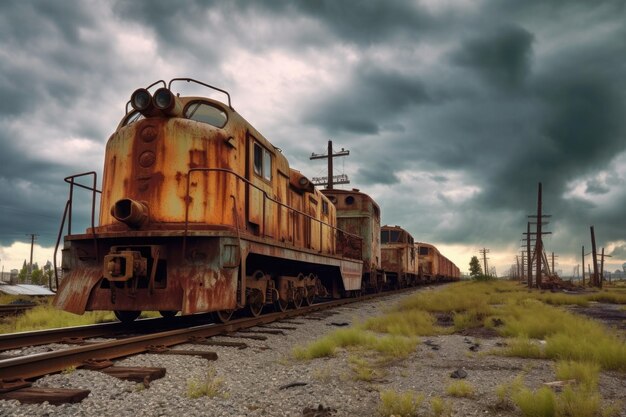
{"x":484,"y":253}
{"x":330,"y":180}
{"x":595,"y":281}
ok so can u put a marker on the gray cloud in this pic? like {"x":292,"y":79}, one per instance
{"x":502,"y":57}
{"x":372,"y":98}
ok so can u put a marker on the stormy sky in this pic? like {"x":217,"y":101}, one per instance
{"x":453,"y":111}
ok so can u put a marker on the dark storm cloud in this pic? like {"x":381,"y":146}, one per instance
{"x":372,"y":97}
{"x":381,"y":172}
{"x":32,"y":202}
{"x":51,"y":66}
{"x":501,"y":57}
{"x":370,"y":21}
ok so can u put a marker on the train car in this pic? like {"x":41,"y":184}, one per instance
{"x":428,"y":262}
{"x":433,"y":266}
{"x":201,"y":213}
{"x":358,"y":214}
{"x":399,"y":256}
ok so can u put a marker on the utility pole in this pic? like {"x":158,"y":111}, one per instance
{"x":602,"y":267}
{"x":330,"y":180}
{"x":595,"y":281}
{"x":538,"y":240}
{"x":484,"y":252}
{"x":538,"y":237}
{"x":553,"y":256}
{"x":33,"y":237}
{"x":583,"y":253}
{"x":528,"y":259}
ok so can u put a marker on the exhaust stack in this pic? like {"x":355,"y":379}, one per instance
{"x":131,"y":212}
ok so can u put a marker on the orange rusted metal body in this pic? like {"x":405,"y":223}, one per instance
{"x":199,"y":212}
{"x":433,"y":266}
{"x":358,"y":214}
{"x":399,"y":256}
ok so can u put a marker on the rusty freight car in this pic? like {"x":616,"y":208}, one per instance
{"x":433,"y":266}
{"x":358,"y":214}
{"x":198,"y":213}
{"x":399,"y":256}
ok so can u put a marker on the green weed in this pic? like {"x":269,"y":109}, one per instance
{"x":406,"y":323}
{"x":404,"y":404}
{"x":47,"y":317}
{"x":208,"y":386}
{"x":460,"y":389}
{"x":363,"y":370}
{"x":522,"y":347}
{"x":319,"y":349}
{"x":440,"y":407}
{"x":586,"y":374}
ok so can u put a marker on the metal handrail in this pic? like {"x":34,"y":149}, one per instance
{"x":67,"y":213}
{"x":265,"y":197}
{"x":169,"y":87}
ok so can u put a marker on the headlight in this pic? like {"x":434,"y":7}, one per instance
{"x":140,"y":100}
{"x":163,"y":99}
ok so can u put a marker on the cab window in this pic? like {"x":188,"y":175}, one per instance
{"x":262,"y":162}
{"x":206,"y":113}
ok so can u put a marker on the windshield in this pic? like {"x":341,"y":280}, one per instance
{"x":206,"y":113}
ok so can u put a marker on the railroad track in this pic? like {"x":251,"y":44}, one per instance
{"x":13,"y":309}
{"x":77,"y":334}
{"x":99,"y":355}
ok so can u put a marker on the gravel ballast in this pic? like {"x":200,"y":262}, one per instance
{"x":264,"y":379}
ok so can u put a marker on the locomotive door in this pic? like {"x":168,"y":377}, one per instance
{"x":260,"y":208}
{"x":312,"y":227}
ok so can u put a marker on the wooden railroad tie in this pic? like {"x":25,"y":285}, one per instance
{"x":208,"y":342}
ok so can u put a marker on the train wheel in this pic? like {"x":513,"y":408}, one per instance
{"x":255,"y":302}
{"x":168,"y":313}
{"x":224,"y":316}
{"x":310,"y":295}
{"x":298,"y":296}
{"x":126,"y":316}
{"x":280,"y":305}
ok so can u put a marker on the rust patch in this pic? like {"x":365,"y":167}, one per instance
{"x":76,"y":288}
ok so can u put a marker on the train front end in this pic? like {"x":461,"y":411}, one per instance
{"x":171,"y":208}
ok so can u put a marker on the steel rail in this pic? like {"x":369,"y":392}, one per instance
{"x":8,"y":309}
{"x":10,"y":341}
{"x":34,"y":366}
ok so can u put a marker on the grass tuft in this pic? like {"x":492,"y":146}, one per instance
{"x":440,"y":407}
{"x":404,"y":404}
{"x":391,"y":346}
{"x":321,"y":348}
{"x":406,"y":323}
{"x":460,"y":389}
{"x":586,"y":374}
{"x":209,"y":386}
{"x":522,"y":347}
{"x":539,"y":403}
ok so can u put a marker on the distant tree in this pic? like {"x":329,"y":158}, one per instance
{"x":475,"y":269}
{"x":48,"y":272}
{"x":21,"y":276}
{"x":37,"y":277}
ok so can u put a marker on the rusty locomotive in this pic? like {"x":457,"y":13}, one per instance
{"x":200,"y":213}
